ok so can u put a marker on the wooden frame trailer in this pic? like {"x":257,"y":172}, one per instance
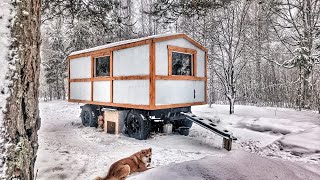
{"x":147,"y":80}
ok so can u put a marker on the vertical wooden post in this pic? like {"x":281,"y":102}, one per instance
{"x":92,"y":76}
{"x":111,"y":76}
{"x":227,"y":143}
{"x":152,"y":87}
{"x":68,"y":79}
{"x":169,"y":61}
{"x":206,"y":75}
{"x":194,"y":65}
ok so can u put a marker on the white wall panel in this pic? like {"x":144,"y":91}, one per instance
{"x":131,"y":61}
{"x":199,"y":86}
{"x":80,"y":68}
{"x":80,"y":91}
{"x":162,"y":55}
{"x":179,"y":91}
{"x":131,"y":92}
{"x":101,"y":91}
{"x":201,"y":63}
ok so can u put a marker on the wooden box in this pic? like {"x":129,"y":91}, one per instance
{"x":114,"y":120}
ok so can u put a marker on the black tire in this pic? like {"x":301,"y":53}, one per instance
{"x":89,"y":116}
{"x":184,"y":131}
{"x":137,"y":125}
{"x":182,"y":123}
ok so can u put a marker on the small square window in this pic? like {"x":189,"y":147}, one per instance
{"x":182,"y":64}
{"x":102,"y":66}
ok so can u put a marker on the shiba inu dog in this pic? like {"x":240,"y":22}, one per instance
{"x":137,"y":162}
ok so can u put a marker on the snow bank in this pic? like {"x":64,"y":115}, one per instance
{"x":276,"y":125}
{"x":306,"y":142}
{"x":234,"y":165}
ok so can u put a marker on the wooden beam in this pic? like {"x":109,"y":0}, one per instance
{"x":194,"y":64}
{"x":182,"y":50}
{"x":102,"y":78}
{"x":206,"y":76}
{"x":69,"y":78}
{"x":152,"y":87}
{"x":169,"y":62}
{"x":133,"y":106}
{"x":178,"y":105}
{"x":80,"y":80}
{"x":131,"y":77}
{"x":178,"y":77}
{"x":111,"y":75}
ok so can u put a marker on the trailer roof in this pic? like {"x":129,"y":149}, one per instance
{"x":134,"y":40}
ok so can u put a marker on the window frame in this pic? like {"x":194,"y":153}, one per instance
{"x":95,"y":65}
{"x":182,"y":50}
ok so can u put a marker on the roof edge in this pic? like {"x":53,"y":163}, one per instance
{"x":132,"y":41}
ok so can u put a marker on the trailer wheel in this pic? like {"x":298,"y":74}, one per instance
{"x":137,"y":125}
{"x":183,"y":123}
{"x":89,"y":116}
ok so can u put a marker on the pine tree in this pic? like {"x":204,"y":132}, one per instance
{"x":20,"y":118}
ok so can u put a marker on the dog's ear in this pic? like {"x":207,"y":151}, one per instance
{"x":150,"y":149}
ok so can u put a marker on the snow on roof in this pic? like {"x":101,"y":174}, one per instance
{"x":122,"y":42}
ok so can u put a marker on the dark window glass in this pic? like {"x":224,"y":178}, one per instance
{"x":181,"y":64}
{"x":102,"y":66}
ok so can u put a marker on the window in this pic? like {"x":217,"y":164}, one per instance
{"x":102,"y":66}
{"x":181,"y":64}
{"x":182,"y":61}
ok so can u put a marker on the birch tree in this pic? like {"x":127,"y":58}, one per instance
{"x":19,"y":94}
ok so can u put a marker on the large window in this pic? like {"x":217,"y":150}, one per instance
{"x":181,"y":64}
{"x":182,"y":61}
{"x":102,"y":66}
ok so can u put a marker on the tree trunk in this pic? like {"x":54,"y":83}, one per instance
{"x":231,"y":105}
{"x":21,"y":118}
{"x":307,"y":89}
{"x":300,"y":89}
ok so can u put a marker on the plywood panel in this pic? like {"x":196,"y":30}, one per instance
{"x":131,"y":92}
{"x":101,"y":91}
{"x":162,"y":56}
{"x":80,"y":90}
{"x":80,"y":68}
{"x":131,"y":61}
{"x":179,"y":91}
{"x":199,"y":87}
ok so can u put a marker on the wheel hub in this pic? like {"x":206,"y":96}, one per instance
{"x":134,"y":124}
{"x":86,"y":117}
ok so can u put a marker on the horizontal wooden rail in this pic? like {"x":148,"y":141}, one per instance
{"x":177,"y":77}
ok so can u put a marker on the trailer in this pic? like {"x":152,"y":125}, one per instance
{"x":150,"y":81}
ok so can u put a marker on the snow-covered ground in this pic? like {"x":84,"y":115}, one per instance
{"x":70,"y":151}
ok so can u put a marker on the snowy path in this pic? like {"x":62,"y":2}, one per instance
{"x":70,"y":151}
